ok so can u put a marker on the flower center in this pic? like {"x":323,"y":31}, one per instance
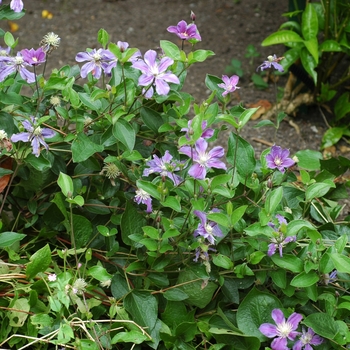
{"x":209,"y":229}
{"x":37,"y":131}
{"x":154,"y":71}
{"x":143,"y":194}
{"x":203,"y":158}
{"x":18,"y":60}
{"x":306,"y":338}
{"x":97,"y":57}
{"x":278,"y":161}
{"x":283,"y":329}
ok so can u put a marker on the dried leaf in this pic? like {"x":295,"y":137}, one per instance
{"x":264,"y":105}
{"x":5,"y":163}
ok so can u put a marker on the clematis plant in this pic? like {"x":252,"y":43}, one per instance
{"x":140,"y":202}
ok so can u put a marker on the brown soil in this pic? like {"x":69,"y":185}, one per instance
{"x":227,"y":27}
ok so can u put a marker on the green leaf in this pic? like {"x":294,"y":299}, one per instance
{"x":318,"y":190}
{"x":83,"y":148}
{"x":309,"y":63}
{"x":303,"y":279}
{"x":273,"y":200}
{"x":9,"y":39}
{"x":175,"y":294}
{"x":223,"y":261}
{"x":7,"y":13}
{"x":332,"y":136}
{"x":131,"y":223}
{"x":11,"y":98}
{"x":309,"y":23}
{"x":151,"y":118}
{"x":281,"y":37}
{"x":296,"y":225}
{"x":143,"y":308}
{"x":237,"y":214}
{"x":134,"y":337}
{"x":19,"y":312}
{"x":82,"y":228}
{"x":341,"y":243}
{"x":39,"y":262}
{"x":199,"y":291}
{"x":330,"y":46}
{"x":219,"y":218}
{"x":201,"y":55}
{"x":99,"y":273}
{"x":211,"y":81}
{"x":245,"y":116}
{"x":66,"y":184}
{"x":254,"y":310}
{"x":103,"y":37}
{"x":288,"y":262}
{"x":342,"y":106}
{"x":9,"y":238}
{"x":124,"y":133}
{"x":312,"y":46}
{"x":341,"y":262}
{"x":173,"y":203}
{"x":39,"y":163}
{"x":309,"y":159}
{"x":279,"y":278}
{"x":322,"y":324}
{"x":73,"y":97}
{"x":171,"y":50}
{"x":88,"y":102}
{"x":150,"y":244}
{"x":241,"y":154}
{"x":171,"y":232}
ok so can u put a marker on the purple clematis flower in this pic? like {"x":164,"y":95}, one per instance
{"x":154,"y":73}
{"x":207,"y":229}
{"x":278,"y":158}
{"x":307,"y":339}
{"x":203,"y":159}
{"x":279,"y":240}
{"x":282,"y":330}
{"x":34,"y":57}
{"x":272,"y":61}
{"x":229,"y":84}
{"x":185,"y":31}
{"x":207,"y":133}
{"x":97,"y":60}
{"x":35,"y":134}
{"x":16,"y":5}
{"x":164,"y":166}
{"x":144,"y":198}
{"x":13,"y":64}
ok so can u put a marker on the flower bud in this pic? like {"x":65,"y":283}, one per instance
{"x":193,"y":16}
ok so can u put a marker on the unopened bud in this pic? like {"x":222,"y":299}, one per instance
{"x":193,"y":16}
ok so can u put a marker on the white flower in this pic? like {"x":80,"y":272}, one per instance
{"x":52,"y":277}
